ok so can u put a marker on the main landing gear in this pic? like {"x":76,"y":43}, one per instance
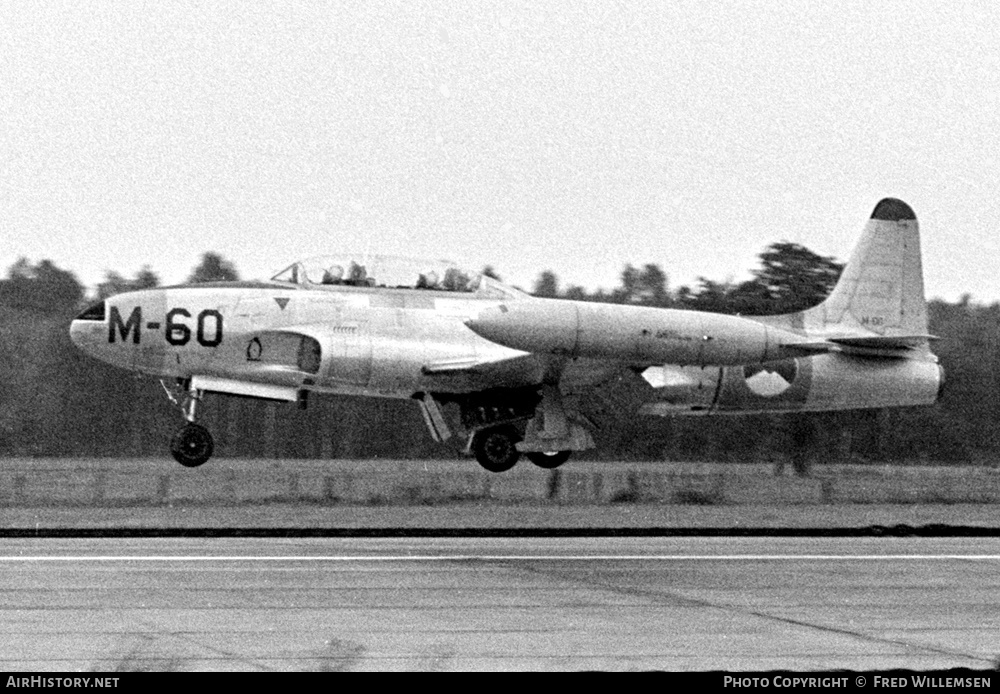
{"x":496,"y":450}
{"x":192,"y":445}
{"x":502,"y":419}
{"x":549,"y":460}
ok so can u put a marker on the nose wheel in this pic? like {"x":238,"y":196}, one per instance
{"x":192,"y":445}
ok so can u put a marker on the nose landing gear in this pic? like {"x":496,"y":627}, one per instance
{"x":496,"y":450}
{"x":192,"y":445}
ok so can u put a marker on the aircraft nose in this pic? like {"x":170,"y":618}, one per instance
{"x":88,"y":326}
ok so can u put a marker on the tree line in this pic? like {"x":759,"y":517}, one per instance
{"x":58,"y":402}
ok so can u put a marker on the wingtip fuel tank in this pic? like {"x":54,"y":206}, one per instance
{"x":635,"y":334}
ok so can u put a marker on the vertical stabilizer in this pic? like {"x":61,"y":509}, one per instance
{"x":881,"y":291}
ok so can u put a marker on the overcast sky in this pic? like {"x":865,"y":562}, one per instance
{"x":529,"y":136}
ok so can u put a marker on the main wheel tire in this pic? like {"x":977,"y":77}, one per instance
{"x":549,"y":461}
{"x":192,"y":445}
{"x":495,"y":448}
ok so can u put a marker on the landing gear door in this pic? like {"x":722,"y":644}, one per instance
{"x":351,"y":353}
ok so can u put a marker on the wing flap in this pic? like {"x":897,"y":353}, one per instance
{"x":249,"y":389}
{"x":473,"y":365}
{"x":452,"y":366}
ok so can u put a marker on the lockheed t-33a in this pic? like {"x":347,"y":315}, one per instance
{"x":507,"y":370}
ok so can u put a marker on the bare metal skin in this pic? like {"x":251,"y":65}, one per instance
{"x":505,"y":369}
{"x":631,"y":333}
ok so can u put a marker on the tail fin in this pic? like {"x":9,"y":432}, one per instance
{"x":881,"y":291}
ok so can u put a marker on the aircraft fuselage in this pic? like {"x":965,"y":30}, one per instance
{"x":317,"y":340}
{"x":397,"y":342}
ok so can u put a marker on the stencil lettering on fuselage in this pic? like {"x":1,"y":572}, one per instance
{"x":179,"y":327}
{"x":119,"y":328}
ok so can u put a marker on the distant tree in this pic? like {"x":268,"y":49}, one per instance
{"x":21,"y":270}
{"x":791,"y":278}
{"x":213,"y":268}
{"x":547,"y":285}
{"x":653,"y":286}
{"x":114,"y":283}
{"x":628,"y":291}
{"x":795,"y":277}
{"x":685,"y":296}
{"x":710,"y":296}
{"x":750,"y":298}
{"x":646,"y":286}
{"x":43,"y":288}
{"x":60,"y":287}
{"x":600,"y":296}
{"x":146,"y":278}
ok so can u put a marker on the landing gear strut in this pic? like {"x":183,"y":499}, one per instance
{"x":495,"y":449}
{"x":192,"y":445}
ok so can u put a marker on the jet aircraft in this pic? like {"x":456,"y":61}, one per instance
{"x":509,"y":371}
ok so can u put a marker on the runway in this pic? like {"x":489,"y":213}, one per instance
{"x":109,"y":605}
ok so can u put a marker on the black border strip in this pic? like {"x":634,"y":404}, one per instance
{"x":869,"y":531}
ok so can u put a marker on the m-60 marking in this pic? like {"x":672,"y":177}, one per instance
{"x":208,"y":327}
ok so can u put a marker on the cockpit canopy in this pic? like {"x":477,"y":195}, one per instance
{"x":390,"y":272}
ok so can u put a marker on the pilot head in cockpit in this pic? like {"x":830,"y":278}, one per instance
{"x":428,"y":281}
{"x":333,"y":275}
{"x":356,"y":275}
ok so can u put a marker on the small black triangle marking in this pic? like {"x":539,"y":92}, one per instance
{"x":282,"y":302}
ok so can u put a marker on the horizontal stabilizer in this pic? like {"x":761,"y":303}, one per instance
{"x":865,"y":345}
{"x":885,"y":342}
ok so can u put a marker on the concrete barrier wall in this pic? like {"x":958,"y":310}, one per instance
{"x":28,"y":483}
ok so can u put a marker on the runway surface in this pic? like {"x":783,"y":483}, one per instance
{"x":109,"y":605}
